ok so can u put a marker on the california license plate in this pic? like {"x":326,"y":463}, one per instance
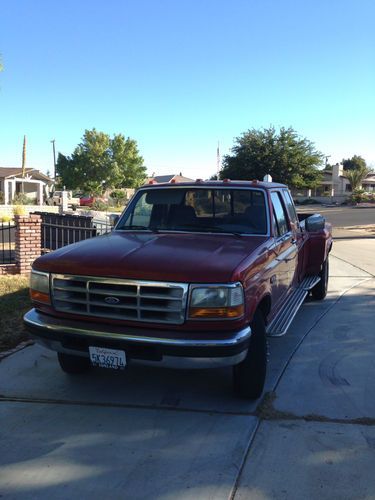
{"x":107,"y":358}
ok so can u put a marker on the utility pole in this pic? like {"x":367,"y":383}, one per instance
{"x":24,"y":157}
{"x":54,"y":159}
{"x":218,"y":161}
{"x":23,"y":175}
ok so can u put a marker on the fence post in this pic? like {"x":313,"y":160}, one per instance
{"x":28,"y":241}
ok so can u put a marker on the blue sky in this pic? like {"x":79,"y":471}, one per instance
{"x":179,"y":76}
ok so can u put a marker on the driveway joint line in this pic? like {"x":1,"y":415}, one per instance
{"x":15,"y":399}
{"x":244,"y":460}
{"x":357,"y":267}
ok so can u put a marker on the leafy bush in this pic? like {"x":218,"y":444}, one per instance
{"x":360,"y":196}
{"x":99,"y":205}
{"x":19,"y":210}
{"x":23,"y":199}
{"x":118,"y":197}
{"x":5,"y":218}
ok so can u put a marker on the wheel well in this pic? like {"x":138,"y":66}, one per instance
{"x":265,"y":306}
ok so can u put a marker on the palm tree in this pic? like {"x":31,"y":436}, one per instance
{"x":356,"y":176}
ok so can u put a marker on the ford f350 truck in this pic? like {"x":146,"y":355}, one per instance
{"x":194,"y":275}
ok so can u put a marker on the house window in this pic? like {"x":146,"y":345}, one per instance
{"x":348,"y":188}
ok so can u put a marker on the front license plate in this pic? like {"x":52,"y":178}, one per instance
{"x":107,"y":358}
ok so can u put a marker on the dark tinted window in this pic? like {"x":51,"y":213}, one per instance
{"x":190,"y":209}
{"x":279,"y":212}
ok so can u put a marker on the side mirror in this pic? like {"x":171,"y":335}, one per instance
{"x":113,"y":219}
{"x":315,"y":223}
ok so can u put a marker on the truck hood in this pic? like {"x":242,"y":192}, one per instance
{"x":183,"y":257}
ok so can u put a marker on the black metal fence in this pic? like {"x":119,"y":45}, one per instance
{"x":61,"y":230}
{"x":7,"y":242}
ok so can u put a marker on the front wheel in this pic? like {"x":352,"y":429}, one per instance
{"x":249,"y":375}
{"x":320,"y":289}
{"x":73,"y":364}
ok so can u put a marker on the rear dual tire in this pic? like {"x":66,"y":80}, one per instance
{"x":320,"y":289}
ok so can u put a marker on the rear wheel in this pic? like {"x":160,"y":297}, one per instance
{"x":249,"y":376}
{"x":73,"y":364}
{"x":320,"y":289}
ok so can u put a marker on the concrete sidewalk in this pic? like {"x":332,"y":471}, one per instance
{"x":167,"y":434}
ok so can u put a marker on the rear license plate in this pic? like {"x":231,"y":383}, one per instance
{"x":107,"y":358}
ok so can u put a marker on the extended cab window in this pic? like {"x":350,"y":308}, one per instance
{"x":240,"y":211}
{"x":280,"y":218}
{"x":290,"y":208}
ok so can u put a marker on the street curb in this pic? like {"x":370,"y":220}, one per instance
{"x":19,"y":347}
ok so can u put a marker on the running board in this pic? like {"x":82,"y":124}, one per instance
{"x":282,"y":321}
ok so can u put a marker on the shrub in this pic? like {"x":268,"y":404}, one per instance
{"x":23,"y":199}
{"x":360,"y":196}
{"x":5,"y":218}
{"x":99,"y":205}
{"x":119,"y":197}
{"x":19,"y":210}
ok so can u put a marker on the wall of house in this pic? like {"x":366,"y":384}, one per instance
{"x":339,"y":199}
{"x":8,"y":209}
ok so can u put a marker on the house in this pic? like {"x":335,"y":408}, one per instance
{"x":335,"y":184}
{"x":169,"y":178}
{"x":34,"y":184}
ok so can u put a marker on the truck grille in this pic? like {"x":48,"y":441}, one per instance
{"x":146,"y":301}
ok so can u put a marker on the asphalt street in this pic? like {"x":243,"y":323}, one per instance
{"x":342,"y":216}
{"x":163,"y":434}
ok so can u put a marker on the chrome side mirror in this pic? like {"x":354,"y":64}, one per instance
{"x":315,"y":223}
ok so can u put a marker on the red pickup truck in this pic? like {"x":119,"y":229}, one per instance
{"x":194,"y":275}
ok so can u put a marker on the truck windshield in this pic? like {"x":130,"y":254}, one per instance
{"x":241,"y":211}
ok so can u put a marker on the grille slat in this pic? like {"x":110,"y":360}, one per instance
{"x":143,"y":301}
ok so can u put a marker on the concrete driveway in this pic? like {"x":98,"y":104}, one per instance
{"x":150,"y":433}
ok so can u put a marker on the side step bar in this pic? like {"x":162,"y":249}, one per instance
{"x":280,"y":324}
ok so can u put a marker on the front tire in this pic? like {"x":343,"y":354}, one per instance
{"x":249,"y":375}
{"x":73,"y":364}
{"x":320,"y":289}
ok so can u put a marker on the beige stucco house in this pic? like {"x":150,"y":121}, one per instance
{"x":34,"y":184}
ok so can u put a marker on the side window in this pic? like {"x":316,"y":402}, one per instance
{"x":290,"y":208}
{"x":279,"y":213}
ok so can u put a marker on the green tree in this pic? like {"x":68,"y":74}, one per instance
{"x":100,"y":162}
{"x":354,"y":163}
{"x":286,"y":156}
{"x":356,"y":176}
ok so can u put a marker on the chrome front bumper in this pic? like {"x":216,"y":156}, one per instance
{"x":196,"y":351}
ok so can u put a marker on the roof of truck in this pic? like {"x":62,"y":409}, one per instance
{"x":217,"y":184}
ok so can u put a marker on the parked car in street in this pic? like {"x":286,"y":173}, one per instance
{"x":89,"y":200}
{"x":194,"y":275}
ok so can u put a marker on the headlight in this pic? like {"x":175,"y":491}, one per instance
{"x":39,"y":287}
{"x":216,"y":301}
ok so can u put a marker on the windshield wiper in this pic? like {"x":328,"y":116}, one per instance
{"x":141,"y":228}
{"x":214,"y":229}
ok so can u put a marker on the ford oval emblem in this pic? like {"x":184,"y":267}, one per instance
{"x":111,"y":300}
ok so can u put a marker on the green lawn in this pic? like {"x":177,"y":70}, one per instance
{"x":14,"y":302}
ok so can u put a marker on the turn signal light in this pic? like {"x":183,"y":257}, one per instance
{"x":216,"y":312}
{"x":40,"y":297}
